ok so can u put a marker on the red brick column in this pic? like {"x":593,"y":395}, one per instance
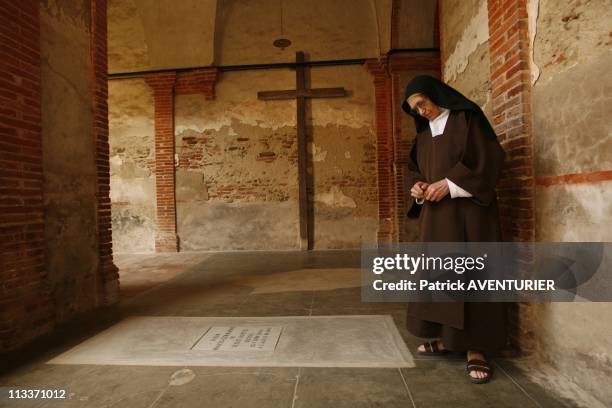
{"x":163,"y":92}
{"x":387,"y":216}
{"x":26,"y":310}
{"x":511,"y":94}
{"x":108,"y":274}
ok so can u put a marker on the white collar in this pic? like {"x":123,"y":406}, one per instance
{"x":439,"y":123}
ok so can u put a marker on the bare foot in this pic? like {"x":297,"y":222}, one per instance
{"x":472,"y":355}
{"x":438,"y":343}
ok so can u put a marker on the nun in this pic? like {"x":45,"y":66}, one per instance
{"x":454,"y":164}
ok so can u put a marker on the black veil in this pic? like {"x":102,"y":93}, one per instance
{"x":445,"y":96}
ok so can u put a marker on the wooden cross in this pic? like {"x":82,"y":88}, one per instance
{"x":301,"y":93}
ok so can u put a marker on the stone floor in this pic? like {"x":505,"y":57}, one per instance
{"x":259,"y":284}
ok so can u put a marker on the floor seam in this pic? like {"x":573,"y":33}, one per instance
{"x":297,"y":381}
{"x":159,"y":396}
{"x":518,"y":385}
{"x":407,"y":388}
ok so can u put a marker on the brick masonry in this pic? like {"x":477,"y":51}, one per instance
{"x":25,"y":305}
{"x":199,"y":81}
{"x":108,"y":273}
{"x":165,"y":85}
{"x":511,"y":96}
{"x":384,"y":149}
{"x":162,"y":85}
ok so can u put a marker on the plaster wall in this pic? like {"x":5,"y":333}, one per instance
{"x":572,"y":134}
{"x":235,"y":183}
{"x":344,"y":160}
{"x":465,"y":43}
{"x":237,"y":172}
{"x":132,"y":165}
{"x":68,"y":156}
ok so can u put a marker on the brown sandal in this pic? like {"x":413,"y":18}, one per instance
{"x":431,"y":349}
{"x":479,"y":366}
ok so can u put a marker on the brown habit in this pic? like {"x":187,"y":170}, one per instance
{"x":467,"y":157}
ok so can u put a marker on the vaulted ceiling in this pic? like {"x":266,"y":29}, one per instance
{"x":193,"y":33}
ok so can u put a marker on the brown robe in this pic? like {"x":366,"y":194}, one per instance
{"x":466,"y":156}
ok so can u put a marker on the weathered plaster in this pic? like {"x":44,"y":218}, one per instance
{"x":572,"y":130}
{"x":466,"y":44}
{"x":237,"y":226}
{"x":68,"y":156}
{"x":570,"y":34}
{"x":355,"y":110}
{"x":238,"y":160}
{"x":335,"y":198}
{"x":345,"y":185}
{"x":553,"y":377}
{"x":532,"y":11}
{"x":240,"y":89}
{"x":132,"y":166}
{"x":345,"y":191}
{"x":572,"y":134}
{"x":575,"y":370}
{"x":474,"y":82}
{"x":466,"y":27}
{"x":574,"y":212}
